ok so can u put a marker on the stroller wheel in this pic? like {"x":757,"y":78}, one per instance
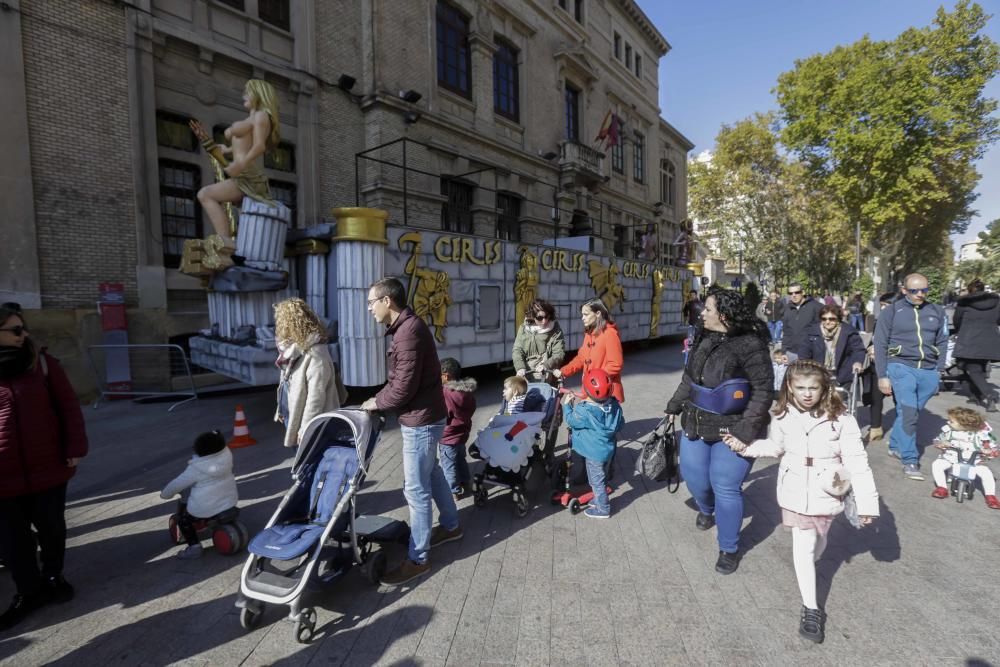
{"x":250,"y":617}
{"x":374,"y":567}
{"x":305,"y":626}
{"x":480,"y":496}
{"x":520,"y":504}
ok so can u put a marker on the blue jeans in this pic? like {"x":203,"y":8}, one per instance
{"x":775,"y":327}
{"x":454,"y":466}
{"x":423,"y":481}
{"x":714,"y":475}
{"x":911,"y":389}
{"x":858,"y":321}
{"x":596,"y":477}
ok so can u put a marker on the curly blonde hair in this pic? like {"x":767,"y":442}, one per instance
{"x":967,"y":418}
{"x":294,"y":320}
{"x":830,"y":405}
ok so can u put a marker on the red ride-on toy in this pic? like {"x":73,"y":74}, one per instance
{"x":229,"y":535}
{"x":571,"y":493}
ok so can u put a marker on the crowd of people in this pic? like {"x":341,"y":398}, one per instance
{"x":755,"y":384}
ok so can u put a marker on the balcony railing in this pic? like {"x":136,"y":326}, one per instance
{"x":584,"y":160}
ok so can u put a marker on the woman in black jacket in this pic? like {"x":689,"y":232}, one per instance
{"x":835,"y":344}
{"x":730,"y":356}
{"x":976,"y":319}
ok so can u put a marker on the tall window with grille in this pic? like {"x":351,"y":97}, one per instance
{"x":508,"y":216}
{"x":639,"y":159}
{"x":618,"y":156}
{"x":621,"y":240}
{"x":456,"y":212}
{"x":506,"y":101}
{"x":572,"y":113}
{"x":180,"y":214}
{"x":668,"y":182}
{"x":274,"y":12}
{"x":453,"y":56}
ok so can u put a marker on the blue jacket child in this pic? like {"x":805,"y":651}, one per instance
{"x":595,"y":420}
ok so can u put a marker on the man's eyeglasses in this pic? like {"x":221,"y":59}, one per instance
{"x":790,"y":292}
{"x":17,"y":331}
{"x":371,"y":301}
{"x":919,"y":290}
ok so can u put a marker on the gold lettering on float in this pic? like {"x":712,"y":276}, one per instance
{"x":458,"y":249}
{"x":561,"y":260}
{"x":635,"y":270}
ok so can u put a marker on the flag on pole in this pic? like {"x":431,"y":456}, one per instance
{"x":610,"y":127}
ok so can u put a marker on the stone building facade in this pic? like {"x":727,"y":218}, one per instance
{"x":505,"y":100}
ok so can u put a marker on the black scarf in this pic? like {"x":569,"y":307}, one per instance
{"x":15,"y":360}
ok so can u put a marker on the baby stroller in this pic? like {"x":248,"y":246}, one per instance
{"x":510,"y":444}
{"x":315,"y":537}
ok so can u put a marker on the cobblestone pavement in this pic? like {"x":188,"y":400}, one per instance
{"x":918,"y":588}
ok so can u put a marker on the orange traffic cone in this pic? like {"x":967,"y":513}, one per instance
{"x":241,"y":434}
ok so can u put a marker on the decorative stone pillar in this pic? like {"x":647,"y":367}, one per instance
{"x":359,"y":260}
{"x":482,"y":48}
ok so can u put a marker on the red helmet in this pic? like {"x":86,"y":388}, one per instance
{"x":597,"y":384}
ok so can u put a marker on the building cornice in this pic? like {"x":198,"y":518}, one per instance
{"x":676,"y":134}
{"x":633,"y":11}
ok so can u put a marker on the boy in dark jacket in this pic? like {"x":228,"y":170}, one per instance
{"x":595,"y":421}
{"x":460,"y":400}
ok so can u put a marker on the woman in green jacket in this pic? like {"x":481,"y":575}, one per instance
{"x":540,"y":345}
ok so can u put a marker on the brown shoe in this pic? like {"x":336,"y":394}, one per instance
{"x":875,"y":434}
{"x":439,"y":535}
{"x":407,"y":571}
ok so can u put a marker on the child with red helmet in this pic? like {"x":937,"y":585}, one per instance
{"x":595,"y":420}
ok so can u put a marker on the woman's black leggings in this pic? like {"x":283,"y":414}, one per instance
{"x":46,"y":511}
{"x":975,"y":370}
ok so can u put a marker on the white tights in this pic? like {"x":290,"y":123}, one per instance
{"x":807,"y":547}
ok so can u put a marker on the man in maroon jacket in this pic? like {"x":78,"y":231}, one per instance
{"x":413,"y":390}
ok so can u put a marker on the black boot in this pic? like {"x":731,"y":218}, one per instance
{"x":991,"y":404}
{"x":704,"y":521}
{"x":728,"y":562}
{"x":59,"y":589}
{"x":20,"y":607}
{"x":811,"y":624}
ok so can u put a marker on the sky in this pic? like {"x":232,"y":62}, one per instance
{"x":726,"y":56}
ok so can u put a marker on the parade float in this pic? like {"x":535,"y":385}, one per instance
{"x":472,"y":291}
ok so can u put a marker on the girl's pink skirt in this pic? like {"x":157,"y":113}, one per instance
{"x":821,"y":524}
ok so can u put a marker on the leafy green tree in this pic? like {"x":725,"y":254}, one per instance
{"x":752,"y":296}
{"x":893,"y":128}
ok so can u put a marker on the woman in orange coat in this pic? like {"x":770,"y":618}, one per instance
{"x":602,"y":347}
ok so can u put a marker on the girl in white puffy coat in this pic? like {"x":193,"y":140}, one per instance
{"x":209,"y":475}
{"x":822,"y":457}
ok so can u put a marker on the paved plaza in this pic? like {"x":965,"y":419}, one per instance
{"x":920,"y":587}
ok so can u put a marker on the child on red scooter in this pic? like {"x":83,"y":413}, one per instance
{"x":209,"y":475}
{"x":595,"y":418}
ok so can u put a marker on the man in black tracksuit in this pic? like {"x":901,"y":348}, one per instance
{"x":800,"y":312}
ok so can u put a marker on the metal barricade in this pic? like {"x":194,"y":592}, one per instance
{"x":142,"y":371}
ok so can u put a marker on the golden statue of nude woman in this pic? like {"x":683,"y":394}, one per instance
{"x":249,"y":140}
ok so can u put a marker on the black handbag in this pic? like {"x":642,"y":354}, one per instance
{"x":657,"y":461}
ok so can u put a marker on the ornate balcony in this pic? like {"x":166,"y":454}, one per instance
{"x":582,"y":165}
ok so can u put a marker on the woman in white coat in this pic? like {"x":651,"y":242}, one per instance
{"x":308,"y":385}
{"x":822,"y":457}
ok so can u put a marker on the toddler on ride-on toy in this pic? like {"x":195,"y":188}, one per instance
{"x":965,"y":440}
{"x":211,"y":503}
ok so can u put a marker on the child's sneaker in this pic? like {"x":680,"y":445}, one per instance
{"x":941,"y":492}
{"x":992,"y":502}
{"x":190,"y":552}
{"x":595,"y":513}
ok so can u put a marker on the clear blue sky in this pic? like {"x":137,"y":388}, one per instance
{"x":726,"y":57}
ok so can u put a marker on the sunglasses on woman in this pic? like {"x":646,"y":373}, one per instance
{"x":541,"y":317}
{"x":830,"y":319}
{"x":17,"y":331}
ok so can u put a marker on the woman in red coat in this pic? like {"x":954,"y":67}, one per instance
{"x":602,"y":347}
{"x":42,"y":437}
